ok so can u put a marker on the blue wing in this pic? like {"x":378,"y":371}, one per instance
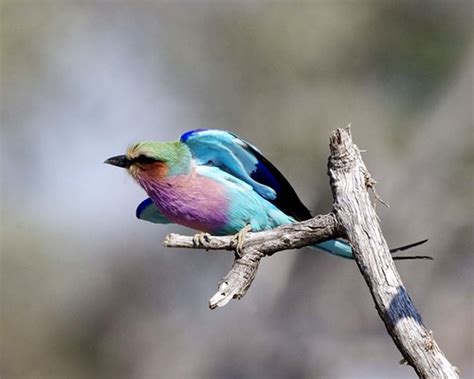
{"x":148,"y":211}
{"x":239,"y":158}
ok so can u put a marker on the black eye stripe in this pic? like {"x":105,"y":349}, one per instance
{"x":143,"y":159}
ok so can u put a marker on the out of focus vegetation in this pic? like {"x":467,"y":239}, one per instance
{"x":88,"y":291}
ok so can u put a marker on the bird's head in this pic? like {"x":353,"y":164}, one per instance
{"x":155,"y":160}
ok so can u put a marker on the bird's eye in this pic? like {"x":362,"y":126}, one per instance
{"x":143,"y":159}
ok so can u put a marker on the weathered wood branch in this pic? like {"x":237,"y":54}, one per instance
{"x":257,"y":245}
{"x":350,"y":180}
{"x":353,"y":218}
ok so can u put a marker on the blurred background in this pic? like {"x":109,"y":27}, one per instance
{"x":88,"y":291}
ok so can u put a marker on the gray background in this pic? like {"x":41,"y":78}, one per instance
{"x":88,"y":291}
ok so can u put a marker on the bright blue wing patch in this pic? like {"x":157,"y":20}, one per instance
{"x":225,"y":150}
{"x":148,"y":211}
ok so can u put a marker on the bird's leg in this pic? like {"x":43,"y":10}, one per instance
{"x":239,"y":239}
{"x":201,"y":239}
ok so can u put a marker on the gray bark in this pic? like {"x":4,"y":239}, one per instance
{"x":256,"y":245}
{"x":350,"y":180}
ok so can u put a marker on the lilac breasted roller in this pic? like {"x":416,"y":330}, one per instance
{"x":215,"y":182}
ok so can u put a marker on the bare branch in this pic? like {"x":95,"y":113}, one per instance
{"x":293,"y":236}
{"x":257,"y":245}
{"x":355,"y":214}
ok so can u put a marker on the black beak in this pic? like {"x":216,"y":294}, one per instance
{"x":119,"y":161}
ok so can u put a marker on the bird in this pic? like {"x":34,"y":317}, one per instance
{"x":213,"y":181}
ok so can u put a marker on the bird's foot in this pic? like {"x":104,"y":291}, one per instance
{"x":239,"y":239}
{"x":201,"y":240}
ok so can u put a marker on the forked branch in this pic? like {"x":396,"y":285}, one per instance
{"x":257,"y":245}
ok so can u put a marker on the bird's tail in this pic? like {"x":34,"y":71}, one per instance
{"x":342,"y":249}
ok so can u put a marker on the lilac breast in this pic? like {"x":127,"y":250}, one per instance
{"x":197,"y":202}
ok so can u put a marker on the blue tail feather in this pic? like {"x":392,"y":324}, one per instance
{"x":336,"y":247}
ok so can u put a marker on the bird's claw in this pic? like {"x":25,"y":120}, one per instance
{"x":239,"y":239}
{"x":202,"y":240}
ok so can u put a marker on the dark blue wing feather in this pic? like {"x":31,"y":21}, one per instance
{"x":287,"y":200}
{"x":148,"y":211}
{"x":239,"y":158}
